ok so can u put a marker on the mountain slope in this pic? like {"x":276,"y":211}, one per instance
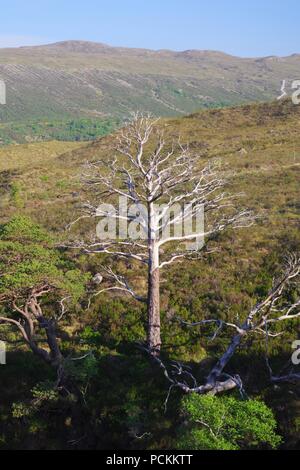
{"x":257,"y":142}
{"x":260,"y":145}
{"x":81,"y":79}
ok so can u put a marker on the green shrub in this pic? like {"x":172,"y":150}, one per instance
{"x":16,"y":195}
{"x":227,"y":423}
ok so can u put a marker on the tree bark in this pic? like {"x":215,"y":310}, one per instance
{"x":223,"y":361}
{"x":154,"y":340}
{"x":153,"y":300}
{"x":56,"y":355}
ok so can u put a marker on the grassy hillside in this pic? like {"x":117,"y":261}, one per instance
{"x":21,"y":157}
{"x":260,"y":149}
{"x":255,"y":142}
{"x":259,"y":146}
{"x":74,"y":79}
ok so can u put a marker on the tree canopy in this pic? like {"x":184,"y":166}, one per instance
{"x":227,"y":423}
{"x":29,"y":259}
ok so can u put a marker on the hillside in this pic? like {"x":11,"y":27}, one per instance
{"x":77,"y":79}
{"x":254,"y":141}
{"x":259,"y":146}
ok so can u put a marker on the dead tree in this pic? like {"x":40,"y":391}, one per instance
{"x":156,"y":176}
{"x":272,"y":310}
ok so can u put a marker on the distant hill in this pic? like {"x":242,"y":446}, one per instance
{"x":79,"y":79}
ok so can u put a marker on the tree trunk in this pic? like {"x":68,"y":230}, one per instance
{"x":56,"y":355}
{"x":53,"y":357}
{"x":154,"y":340}
{"x":223,"y":361}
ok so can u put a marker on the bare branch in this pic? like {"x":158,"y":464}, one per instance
{"x":122,"y":285}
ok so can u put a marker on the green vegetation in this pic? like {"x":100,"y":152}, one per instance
{"x":27,"y":260}
{"x":67,"y":130}
{"x":227,"y":423}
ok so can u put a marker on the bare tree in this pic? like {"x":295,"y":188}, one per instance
{"x":150,"y":172}
{"x":274,"y":309}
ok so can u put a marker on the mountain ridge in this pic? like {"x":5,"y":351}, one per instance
{"x":78,"y":45}
{"x":80,"y":79}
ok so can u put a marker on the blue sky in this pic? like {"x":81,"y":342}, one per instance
{"x":240,"y":27}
